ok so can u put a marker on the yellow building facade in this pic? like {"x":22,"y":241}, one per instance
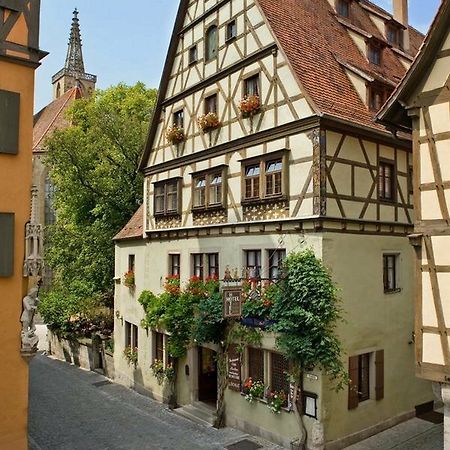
{"x":19,"y":57}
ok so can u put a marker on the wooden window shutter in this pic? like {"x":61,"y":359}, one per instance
{"x":6,"y":244}
{"x":379,"y":374}
{"x":353,"y":370}
{"x":9,"y":122}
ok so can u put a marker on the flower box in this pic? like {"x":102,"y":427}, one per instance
{"x":250,"y":105}
{"x":175,"y":134}
{"x":129,"y":279}
{"x":208,"y":122}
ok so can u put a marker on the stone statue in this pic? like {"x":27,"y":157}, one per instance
{"x":30,"y":303}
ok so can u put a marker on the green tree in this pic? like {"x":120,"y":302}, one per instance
{"x":93,"y":165}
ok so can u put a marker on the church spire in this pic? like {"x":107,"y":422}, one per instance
{"x":73,"y":73}
{"x":74,"y":59}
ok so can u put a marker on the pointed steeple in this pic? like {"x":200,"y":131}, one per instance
{"x":73,"y":74}
{"x":74,"y":59}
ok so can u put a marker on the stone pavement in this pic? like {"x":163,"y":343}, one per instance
{"x":415,"y":434}
{"x":72,"y":409}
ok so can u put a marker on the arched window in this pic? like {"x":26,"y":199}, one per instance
{"x":49,"y":210}
{"x":58,"y":91}
{"x":211,"y":43}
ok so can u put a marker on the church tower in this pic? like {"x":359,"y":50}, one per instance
{"x":73,"y":73}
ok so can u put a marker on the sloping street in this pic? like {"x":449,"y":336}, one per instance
{"x":72,"y":409}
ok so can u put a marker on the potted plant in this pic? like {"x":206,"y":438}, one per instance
{"x":158,"y":370}
{"x":276,"y":400}
{"x":131,"y":355}
{"x":172,"y":284}
{"x":250,"y":105}
{"x":253,"y":390}
{"x":129,"y":279}
{"x":208,"y":122}
{"x":175,"y":134}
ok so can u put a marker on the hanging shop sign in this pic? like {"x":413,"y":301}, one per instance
{"x":234,"y":369}
{"x":232,"y":302}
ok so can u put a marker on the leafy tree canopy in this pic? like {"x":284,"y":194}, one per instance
{"x":93,"y":166}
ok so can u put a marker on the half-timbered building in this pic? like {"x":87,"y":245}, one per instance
{"x":264,"y":142}
{"x":421,"y":104}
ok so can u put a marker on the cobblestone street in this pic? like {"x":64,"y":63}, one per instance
{"x":70,"y":409}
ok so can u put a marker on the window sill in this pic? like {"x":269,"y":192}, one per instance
{"x":264,"y":402}
{"x":393,"y":291}
{"x":230,"y":39}
{"x":166,"y":215}
{"x":206,"y":209}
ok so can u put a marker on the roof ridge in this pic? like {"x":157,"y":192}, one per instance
{"x":74,"y":89}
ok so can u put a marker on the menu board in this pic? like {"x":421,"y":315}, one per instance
{"x":234,"y":369}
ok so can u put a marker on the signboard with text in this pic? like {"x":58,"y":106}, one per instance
{"x":234,"y":369}
{"x":232,"y":302}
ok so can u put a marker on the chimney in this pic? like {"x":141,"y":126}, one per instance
{"x":401,"y":15}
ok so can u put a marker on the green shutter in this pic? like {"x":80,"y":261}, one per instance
{"x":6,"y":244}
{"x":9,"y":122}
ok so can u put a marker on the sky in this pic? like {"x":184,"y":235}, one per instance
{"x":129,"y":43}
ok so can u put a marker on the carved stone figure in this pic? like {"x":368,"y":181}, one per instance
{"x":30,"y":303}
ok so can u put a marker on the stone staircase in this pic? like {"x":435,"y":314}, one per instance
{"x":199,"y":412}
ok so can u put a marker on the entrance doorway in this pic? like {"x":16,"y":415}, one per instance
{"x":207,"y":375}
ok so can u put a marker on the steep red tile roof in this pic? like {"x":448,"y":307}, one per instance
{"x":318,"y":46}
{"x":52,"y":117}
{"x":134,"y":228}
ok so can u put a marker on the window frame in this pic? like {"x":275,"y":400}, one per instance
{"x":374,"y":48}
{"x":261,"y":162}
{"x":339,"y":4}
{"x":210,"y":265}
{"x":209,"y":175}
{"x":253,"y":271}
{"x":131,"y":335}
{"x":254,"y":354}
{"x":394,"y":28}
{"x":178,"y":118}
{"x":193,"y":55}
{"x":165,"y":195}
{"x":229,"y":37}
{"x":174,"y":264}
{"x":382,"y":196}
{"x":195,"y":265}
{"x":394,"y":257}
{"x":281,"y":256}
{"x":211,"y":57}
{"x":245,"y":84}
{"x":206,"y":104}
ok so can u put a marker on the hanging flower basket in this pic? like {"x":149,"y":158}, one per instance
{"x":175,"y":134}
{"x":128,"y":279}
{"x":250,"y":105}
{"x":208,"y":122}
{"x":131,"y":355}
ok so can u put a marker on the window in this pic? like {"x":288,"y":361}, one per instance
{"x":208,"y":190}
{"x":131,"y":263}
{"x":386,"y":181}
{"x":374,"y":54}
{"x":253,"y":263}
{"x":178,"y":118}
{"x":211,"y":104}
{"x":131,"y":335}
{"x":213,"y":265}
{"x":390,"y":273}
{"x":256,"y":364}
{"x":378,"y":94}
{"x":166,"y":198}
{"x":366,"y":378}
{"x":276,"y":258}
{"x":193,"y":55}
{"x":9,"y":122}
{"x":273,"y":177}
{"x":263,"y":179}
{"x":251,"y":85}
{"x":252,"y":175}
{"x":343,"y":8}
{"x":394,"y":35}
{"x":158,"y":347}
{"x":231,"y":30}
{"x":49,"y":210}
{"x":197,"y":265}
{"x":279,"y":373}
{"x":174,"y":264}
{"x":211,"y":43}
